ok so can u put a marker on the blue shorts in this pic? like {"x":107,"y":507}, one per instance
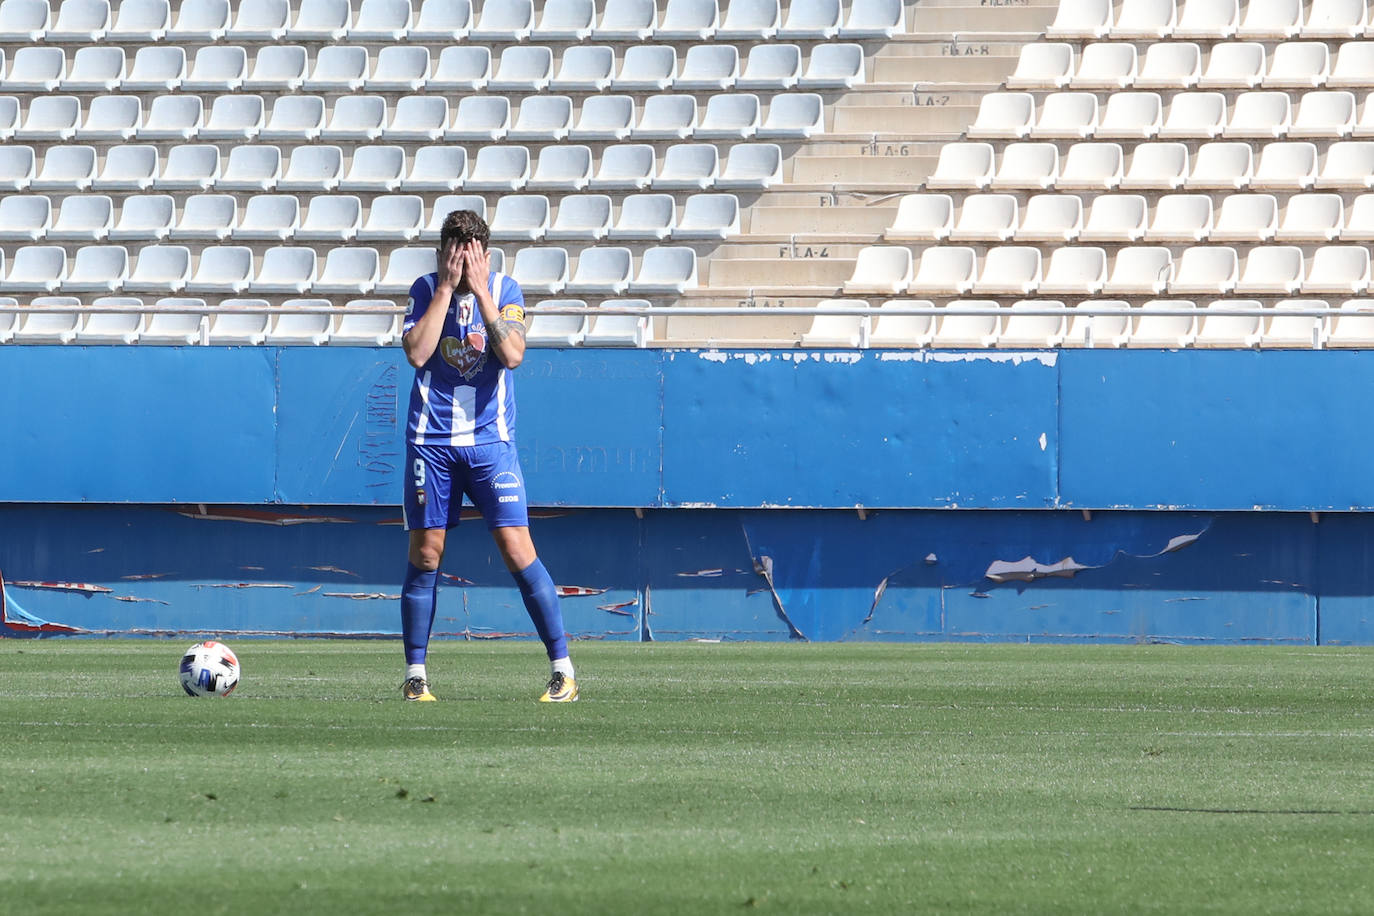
{"x":437,"y":476}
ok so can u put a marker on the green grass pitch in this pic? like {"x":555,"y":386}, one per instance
{"x":691,"y":778}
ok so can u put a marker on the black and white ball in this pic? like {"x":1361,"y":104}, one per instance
{"x":209,"y":669}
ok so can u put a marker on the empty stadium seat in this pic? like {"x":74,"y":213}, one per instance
{"x":1347,"y":164}
{"x":556,"y":330}
{"x":649,"y":68}
{"x":793,"y":116}
{"x":24,"y":217}
{"x":1338,"y":270}
{"x":1209,"y":269}
{"x":221,"y":68}
{"x":1181,"y":218}
{"x":442,"y":20}
{"x":626,"y":20}
{"x":66,"y":168}
{"x":284,"y":270}
{"x":312,"y":169}
{"x":1261,"y":115}
{"x":946,"y":270}
{"x":111,"y":327}
{"x":520,"y":217}
{"x":1220,"y":328}
{"x":688,"y":20}
{"x":1210,"y":19}
{"x":484,"y":118}
{"x":1286,"y":166}
{"x":1081,"y":19}
{"x":620,"y":330}
{"x":222,"y":270}
{"x":379,"y":167}
{"x":581,"y":217}
{"x":80,"y":22}
{"x":172,"y":117}
{"x":348,"y":271}
{"x":601,"y":272}
{"x":889,"y":330}
{"x":811,"y":19}
{"x":140,"y":21}
{"x":1044,"y":65}
{"x":233,"y":117}
{"x":1163,"y":330}
{"x":1271,"y":270}
{"x":1324,"y":114}
{"x":1298,"y":65}
{"x":384,"y":20}
{"x":712,"y":67}
{"x":254,"y":167}
{"x":499,"y":168}
{"x":605,"y":117}
{"x":1246,"y":218}
{"x":273,"y":217}
{"x":541,"y":270}
{"x":1105,"y":65}
{"x":666,"y":270}
{"x":1353,"y":65}
{"x":35,"y":69}
{"x":963,"y":165}
{"x":297,"y":328}
{"x":207,"y":217}
{"x":850,"y":331}
{"x":1020,"y":330}
{"x":83,"y":218}
{"x":986,"y":217}
{"x":1009,"y":270}
{"x":50,"y":117}
{"x":688,"y":166}
{"x":543,"y":119}
{"x":666,"y":117}
{"x":1169,"y":65}
{"x":1271,"y":19}
{"x":365,"y":329}
{"x":1090,"y":166}
{"x":1004,"y":115}
{"x":399,"y":68}
{"x":320,"y":20}
{"x":403,"y":266}
{"x":509,"y":20}
{"x":923,"y":218}
{"x":1312,"y":217}
{"x":876,"y":19}
{"x":625,"y":166}
{"x":230,"y":328}
{"x":1051,"y":218}
{"x":357,"y":118}
{"x":1140,"y":270}
{"x":97,"y":268}
{"x":18,"y":165}
{"x":1149,"y":20}
{"x":645,"y":216}
{"x":1221,"y":165}
{"x":523,"y":68}
{"x":751,"y":166}
{"x":972,"y":323}
{"x":1032,"y":165}
{"x":1079,"y":271}
{"x":1295,"y":330}
{"x":585,"y":68}
{"x":156,"y":69}
{"x":461,"y":68}
{"x":1115,"y":218}
{"x":1130,"y":115}
{"x":160,"y":269}
{"x":144,"y":217}
{"x":393,"y":218}
{"x":259,"y":20}
{"x":708,"y":216}
{"x":773,"y":67}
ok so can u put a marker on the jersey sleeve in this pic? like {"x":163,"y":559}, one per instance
{"x":511,"y":300}
{"x":416,"y":303}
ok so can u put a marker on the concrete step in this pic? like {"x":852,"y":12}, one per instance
{"x":911,"y":99}
{"x":857,"y":171}
{"x":813,"y":220}
{"x":984,"y":70}
{"x":815,"y":272}
{"x":732,"y":330}
{"x":963,"y":20}
{"x":904,"y":120}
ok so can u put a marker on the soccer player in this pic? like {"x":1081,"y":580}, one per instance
{"x":464,"y":332}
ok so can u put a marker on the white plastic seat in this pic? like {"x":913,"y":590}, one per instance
{"x":189,"y":167}
{"x":155,"y":69}
{"x":645,"y":216}
{"x":1103,"y":323}
{"x":1140,"y":270}
{"x":1115,"y":218}
{"x":1298,"y":65}
{"x":1032,"y":166}
{"x":985,"y":217}
{"x":1169,"y":65}
{"x":729,"y":116}
{"x":1022,"y":331}
{"x":1352,"y":325}
{"x":269,"y":217}
{"x":1090,"y":166}
{"x":172,"y":117}
{"x":627,"y":20}
{"x":601,"y":272}
{"x":557,"y":330}
{"x":976,"y":325}
{"x":399,"y":68}
{"x":1271,"y":270}
{"x":320,"y":20}
{"x":1262,"y":115}
{"x":793,"y":116}
{"x":83,"y":218}
{"x":1324,"y":114}
{"x":1148,"y":20}
{"x":383,"y":20}
{"x":160,"y":269}
{"x":523,"y":68}
{"x":80,"y":22}
{"x":773,"y":67}
{"x":294,"y":118}
{"x":403,"y":266}
{"x":442,"y":20}
{"x":222,"y":270}
{"x":520,"y":217}
{"x":417,"y":118}
{"x":888,"y":330}
{"x":175,"y":328}
{"x":708,"y":217}
{"x":393,"y":218}
{"x":1311,"y":218}
{"x":1081,"y":19}
{"x":200,"y":21}
{"x":751,"y":166}
{"x":348,"y":271}
{"x":1219,"y":328}
{"x":1206,"y":269}
{"x":111,"y":118}
{"x":207,"y":216}
{"x":543,"y":118}
{"x":814,"y":19}
{"x":620,"y":330}
{"x":624,"y":166}
{"x":688,"y":166}
{"x":218,"y":68}
{"x":140,"y":21}
{"x":300,"y":328}
{"x":312,"y":169}
{"x":447,"y":203}
{"x":36,"y":269}
{"x":1221,"y":165}
{"x":230,"y":328}
{"x":604,"y":117}
{"x":284,"y":270}
{"x":1009,"y":270}
{"x":250,"y":168}
{"x":24,"y":217}
{"x":233,"y":117}
{"x":1246,"y":218}
{"x":375,"y":168}
{"x":666,"y":270}
{"x":1170,"y":332}
{"x":465,"y":68}
{"x":833,"y":66}
{"x":97,"y":269}
{"x":128,"y":167}
{"x":144,"y":218}
{"x":565,"y":20}
{"x":562,"y":168}
{"x":1105,"y":65}
{"x":963,"y":165}
{"x":1209,"y":19}
{"x":24,"y":21}
{"x":1181,"y":218}
{"x":356,"y":117}
{"x":1288,"y":166}
{"x":1271,"y":19}
{"x":116,"y":327}
{"x":1004,"y":115}
{"x":1131,"y":115}
{"x":17,"y":167}
{"x":541,"y":270}
{"x":1359,"y":219}
{"x":750,"y":20}
{"x":35,"y":69}
{"x":1051,"y":218}
{"x":922,"y":218}
{"x":1338,"y":270}
{"x":1074,"y":271}
{"x":364,"y":329}
{"x":879,"y":19}
{"x":945,"y":270}
{"x":1353,"y":66}
{"x":50,"y":117}
{"x":338,"y":68}
{"x":646,"y":67}
{"x":581,"y":217}
{"x":1195,"y":114}
{"x":436,"y":168}
{"x":666,"y":117}
{"x":480,"y":118}
{"x":709,"y":67}
{"x":1044,"y":65}
{"x":1348,"y":164}
{"x":49,"y":327}
{"x":66,"y":168}
{"x":1335,"y":19}
{"x":508,"y":20}
{"x":584,"y":68}
{"x":847,"y":331}
{"x":1161,"y":166}
{"x":1295,"y":331}
{"x":688,"y":20}
{"x":1234,"y":65}
{"x":99,"y":69}
{"x":259,"y":20}
{"x":499,"y":168}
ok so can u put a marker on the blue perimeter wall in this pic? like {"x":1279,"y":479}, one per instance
{"x":899,"y":495}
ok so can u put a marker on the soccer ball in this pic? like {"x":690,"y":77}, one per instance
{"x":209,"y":669}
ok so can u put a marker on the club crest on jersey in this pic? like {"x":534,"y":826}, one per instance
{"x":468,"y":355}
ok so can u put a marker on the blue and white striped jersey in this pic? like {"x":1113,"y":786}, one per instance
{"x":463,"y":395}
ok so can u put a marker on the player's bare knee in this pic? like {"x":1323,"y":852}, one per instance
{"x":426,"y":559}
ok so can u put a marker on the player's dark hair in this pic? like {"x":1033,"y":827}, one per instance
{"x":463,"y":226}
